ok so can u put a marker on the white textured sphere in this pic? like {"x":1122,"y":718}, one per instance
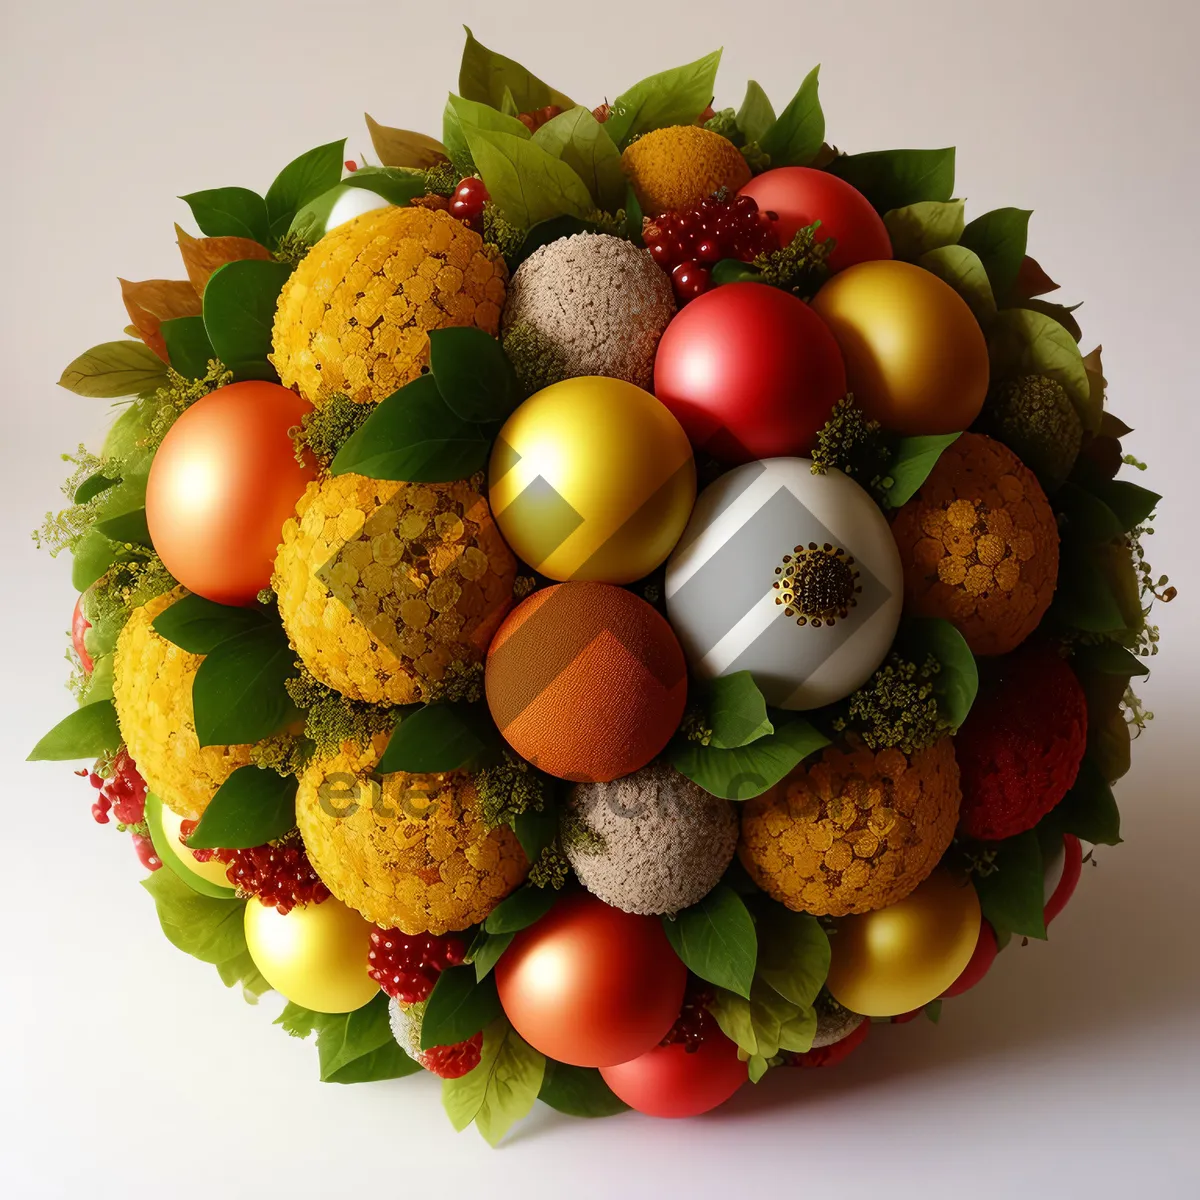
{"x":351,"y":202}
{"x":791,"y":576}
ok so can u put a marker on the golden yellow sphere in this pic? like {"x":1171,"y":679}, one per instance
{"x":386,"y":588}
{"x":315,"y":956}
{"x":898,"y":958}
{"x":152,"y":691}
{"x":592,"y":479}
{"x":165,"y":830}
{"x":409,"y":852}
{"x":916,"y":359}
{"x":354,"y":318}
{"x":678,"y":166}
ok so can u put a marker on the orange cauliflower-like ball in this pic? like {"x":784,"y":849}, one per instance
{"x":385,"y":588}
{"x":678,"y":166}
{"x":354,"y":318}
{"x":979,"y":544}
{"x":855,"y":830}
{"x":409,"y":852}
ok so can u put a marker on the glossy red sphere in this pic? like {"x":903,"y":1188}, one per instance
{"x":79,"y":626}
{"x":802,"y":195}
{"x":590,"y":985}
{"x":749,"y":371}
{"x":668,"y":1081}
{"x":986,"y":950}
{"x":1072,"y":869}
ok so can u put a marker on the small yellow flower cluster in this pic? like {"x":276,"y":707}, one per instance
{"x":410,"y":852}
{"x":354,"y":318}
{"x":152,"y":690}
{"x":676,"y":167}
{"x":855,"y":831}
{"x":383,"y":587}
{"x":979,"y":544}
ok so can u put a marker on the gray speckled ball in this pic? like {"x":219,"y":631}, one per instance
{"x":833,"y":1021}
{"x":589,"y":304}
{"x":652,"y":842}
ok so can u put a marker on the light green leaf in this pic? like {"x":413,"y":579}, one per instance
{"x":577,"y":138}
{"x":794,"y":139}
{"x":1023,"y":342}
{"x":964,"y":272}
{"x":171,"y":860}
{"x":674,"y":97}
{"x":114,"y":369}
{"x":205,"y":927}
{"x":716,"y":940}
{"x":766,"y":1023}
{"x":897,"y":178}
{"x":89,"y":732}
{"x":485,"y":76}
{"x":927,"y":225}
{"x":501,"y":1089}
{"x":757,"y":1067}
{"x":756,"y":115}
{"x":736,"y":711}
{"x":126,"y":529}
{"x":999,"y":238}
{"x":793,"y":954}
{"x":912,"y":461}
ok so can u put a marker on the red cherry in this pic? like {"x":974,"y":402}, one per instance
{"x":79,"y":626}
{"x":690,"y":280}
{"x":708,"y":249}
{"x":674,"y":1081}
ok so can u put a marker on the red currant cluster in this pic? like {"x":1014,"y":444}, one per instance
{"x":695,"y":1024}
{"x":279,"y":873}
{"x":533,"y":121}
{"x":123,"y":793}
{"x":468,"y":200}
{"x":406,"y":966}
{"x":688,"y":243}
{"x":453,"y":1062}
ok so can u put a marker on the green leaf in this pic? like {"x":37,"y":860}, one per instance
{"x":486,"y":950}
{"x":913,"y":460}
{"x":508,"y":105}
{"x":301,"y":1022}
{"x":520,"y":910}
{"x":766,"y":1023}
{"x":485,"y":75}
{"x":437,"y":737}
{"x":1013,"y":895}
{"x":1131,"y":504}
{"x":114,"y":369}
{"x":674,"y":97}
{"x":92,"y":557}
{"x":205,"y":927}
{"x":733,"y":270}
{"x":757,"y":1067}
{"x":756,"y":115}
{"x":1109,"y":659}
{"x":716,"y":940}
{"x":579,"y":140}
{"x":1023,"y":342}
{"x":1089,"y":810}
{"x":794,"y":139}
{"x":501,"y":1089}
{"x":933,"y":1010}
{"x":1085,"y":598}
{"x":634,"y":217}
{"x":199,"y":626}
{"x":188,"y":346}
{"x":535,"y":830}
{"x":736,"y":711}
{"x":358,"y":1047}
{"x":128,"y":528}
{"x":99,"y":684}
{"x":999,"y":238}
{"x":525,"y":181}
{"x":238,"y":695}
{"x":231,"y":212}
{"x":1062,"y":313}
{"x":1085,"y":517}
{"x":579,"y":1092}
{"x":749,"y":770}
{"x":458,"y":1008}
{"x":302,"y":180}
{"x":896,"y":178}
{"x":396,"y":185}
{"x":89,"y":732}
{"x":462,"y":113}
{"x":545,"y":232}
{"x":92,"y":487}
{"x":957,"y":683}
{"x":927,"y":225}
{"x":473,"y":374}
{"x":793,"y":954}
{"x":963,"y":270}
{"x":239,"y":311}
{"x":252,"y":807}
{"x":170,"y":858}
{"x":413,"y":436}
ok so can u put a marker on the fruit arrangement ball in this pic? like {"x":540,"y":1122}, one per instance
{"x":916,"y":359}
{"x":591,"y":304}
{"x":791,"y":576}
{"x":750,"y":371}
{"x":678,"y":1081}
{"x":152,"y":692}
{"x":854,"y":830}
{"x":221,"y":486}
{"x":387,"y":589}
{"x":801,"y":195}
{"x":1021,"y":746}
{"x":896,"y":959}
{"x":409,"y":852}
{"x":678,"y":166}
{"x":354,"y":318}
{"x":586,"y":681}
{"x":590,"y":985}
{"x":592,"y":479}
{"x":979,"y":543}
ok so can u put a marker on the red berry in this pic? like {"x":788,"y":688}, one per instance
{"x":695,"y":1024}
{"x":453,"y":1062}
{"x":350,"y":165}
{"x":279,"y":873}
{"x":708,"y":249}
{"x":690,"y":280}
{"x":123,"y":793}
{"x":406,"y":966}
{"x":145,"y":852}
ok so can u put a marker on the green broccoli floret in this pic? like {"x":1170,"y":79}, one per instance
{"x":897,"y":707}
{"x":501,"y":233}
{"x":799,"y":267}
{"x":551,"y":869}
{"x":536,"y":360}
{"x":725,"y":123}
{"x":508,"y":788}
{"x":851,"y":443}
{"x":326,"y":429}
{"x":331,"y":718}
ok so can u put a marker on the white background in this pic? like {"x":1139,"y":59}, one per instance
{"x":128,"y":1070}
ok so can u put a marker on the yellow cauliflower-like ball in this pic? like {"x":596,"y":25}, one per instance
{"x":354,"y":317}
{"x":383,"y":587}
{"x":855,"y":830}
{"x":410,"y":852}
{"x":677,"y":167}
{"x":152,"y":691}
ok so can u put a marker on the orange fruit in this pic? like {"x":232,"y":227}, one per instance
{"x":586,"y":681}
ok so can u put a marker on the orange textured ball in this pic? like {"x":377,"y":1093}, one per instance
{"x":221,"y":486}
{"x":590,"y":985}
{"x":586,"y":681}
{"x":979,"y":544}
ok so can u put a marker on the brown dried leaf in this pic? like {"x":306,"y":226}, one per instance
{"x":403,"y":148}
{"x":153,"y":301}
{"x":1032,"y":280}
{"x":202,"y":256}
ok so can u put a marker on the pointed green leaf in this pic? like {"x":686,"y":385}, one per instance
{"x":89,"y":732}
{"x":999,"y":238}
{"x":896,"y":178}
{"x":252,"y":807}
{"x":198,"y":625}
{"x":674,"y":97}
{"x":485,"y":76}
{"x":912,"y":461}
{"x":396,"y":185}
{"x":716,"y":940}
{"x":239,"y":312}
{"x":634,"y":217}
{"x":458,"y":1008}
{"x":358,"y":1047}
{"x":231,"y":212}
{"x":92,"y":557}
{"x":473,"y":374}
{"x":1109,"y":659}
{"x":302,"y":180}
{"x":794,"y":139}
{"x":964,"y":272}
{"x":579,"y":1092}
{"x":577,"y":138}
{"x":523,"y":908}
{"x":1023,"y":342}
{"x":766,"y":1023}
{"x":1012,"y":896}
{"x":756,"y":115}
{"x":793,"y":954}
{"x":1132,"y":505}
{"x":188,"y":346}
{"x":486,"y":950}
{"x":438,"y":737}
{"x":128,"y":528}
{"x":957,"y":682}
{"x":736,"y":711}
{"x":927,"y":225}
{"x":501,"y":1089}
{"x":206,"y":927}
{"x":92,"y":487}
{"x":1089,"y":810}
{"x":170,"y":858}
{"x":114,"y":369}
